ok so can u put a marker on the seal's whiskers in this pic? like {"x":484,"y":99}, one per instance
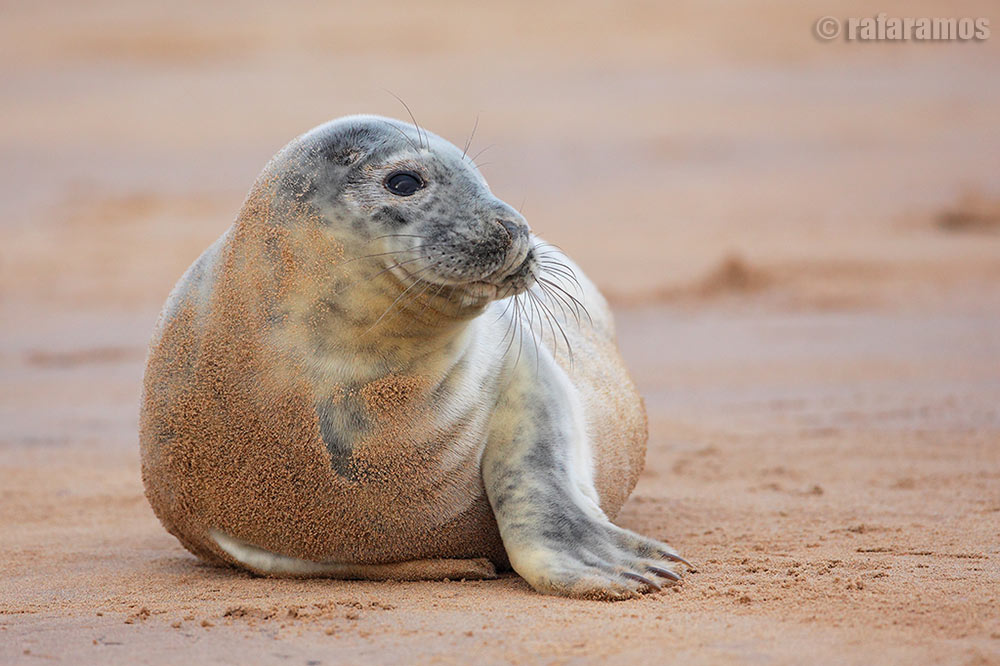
{"x":416,"y":280}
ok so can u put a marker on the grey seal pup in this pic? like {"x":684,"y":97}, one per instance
{"x":379,"y":372}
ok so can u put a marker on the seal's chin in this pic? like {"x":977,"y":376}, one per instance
{"x":494,"y":291}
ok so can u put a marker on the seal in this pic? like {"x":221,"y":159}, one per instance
{"x":379,"y":372}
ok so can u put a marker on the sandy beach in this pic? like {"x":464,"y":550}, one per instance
{"x":801,"y":241}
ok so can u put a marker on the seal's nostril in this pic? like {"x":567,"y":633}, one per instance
{"x":513,"y":231}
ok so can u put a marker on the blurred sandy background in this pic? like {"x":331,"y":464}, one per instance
{"x":802,"y":240}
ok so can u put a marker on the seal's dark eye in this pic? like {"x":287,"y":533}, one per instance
{"x":403,"y":183}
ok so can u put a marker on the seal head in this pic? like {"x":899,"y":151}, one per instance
{"x":380,"y":183}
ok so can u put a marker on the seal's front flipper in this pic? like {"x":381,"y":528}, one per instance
{"x":267,"y":563}
{"x":555,"y":534}
{"x":574,"y":555}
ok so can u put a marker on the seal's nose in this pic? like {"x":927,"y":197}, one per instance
{"x":516,"y":245}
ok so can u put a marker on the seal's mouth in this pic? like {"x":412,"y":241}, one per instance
{"x":506,"y":281}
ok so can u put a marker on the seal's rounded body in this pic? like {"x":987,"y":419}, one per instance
{"x":378,"y":372}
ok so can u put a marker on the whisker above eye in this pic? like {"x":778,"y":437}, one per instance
{"x":402,"y":133}
{"x":473,"y":158}
{"x":471,"y":137}
{"x":415,"y":124}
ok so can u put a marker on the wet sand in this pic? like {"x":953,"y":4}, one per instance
{"x":801,"y":240}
